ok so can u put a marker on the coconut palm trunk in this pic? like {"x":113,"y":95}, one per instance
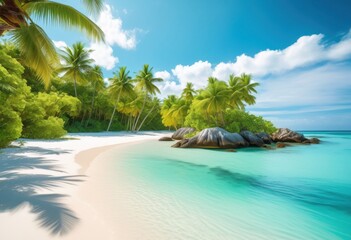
{"x":142,"y":122}
{"x":92,"y":105}
{"x":75,"y":88}
{"x":141,"y":111}
{"x":114,"y":111}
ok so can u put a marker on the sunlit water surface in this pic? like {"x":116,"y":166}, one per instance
{"x":299,"y":192}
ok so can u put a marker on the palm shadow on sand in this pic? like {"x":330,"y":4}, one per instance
{"x":19,"y":189}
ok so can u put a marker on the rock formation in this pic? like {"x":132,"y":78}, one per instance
{"x":213,"y":138}
{"x":181,"y":132}
{"x":252,"y":139}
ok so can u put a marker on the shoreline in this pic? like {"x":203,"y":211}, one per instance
{"x":68,"y":163}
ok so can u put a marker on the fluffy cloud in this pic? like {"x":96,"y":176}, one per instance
{"x":165,"y":75}
{"x":113,"y":29}
{"x":103,"y":55}
{"x":306,"y":51}
{"x":197,"y":73}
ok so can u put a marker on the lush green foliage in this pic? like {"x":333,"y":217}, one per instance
{"x":219,"y":104}
{"x":238,"y":120}
{"x":31,"y":110}
{"x":13,"y":91}
{"x":41,"y":115}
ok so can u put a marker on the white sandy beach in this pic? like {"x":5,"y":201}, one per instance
{"x":51,"y":191}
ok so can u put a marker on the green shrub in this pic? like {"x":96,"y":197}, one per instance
{"x":45,"y":128}
{"x":10,"y":125}
{"x":238,"y":120}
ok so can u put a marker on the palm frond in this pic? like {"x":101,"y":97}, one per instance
{"x":61,"y":14}
{"x":93,"y":6}
{"x":38,"y":51}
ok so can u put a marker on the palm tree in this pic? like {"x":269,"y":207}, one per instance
{"x":121,"y":84}
{"x":77,"y":64}
{"x":146,"y":83}
{"x":96,"y":79}
{"x":167,"y":104}
{"x":241,"y":90}
{"x":188,"y":92}
{"x":213,"y":99}
{"x":38,"y":51}
{"x":179,"y":111}
{"x":249,"y":88}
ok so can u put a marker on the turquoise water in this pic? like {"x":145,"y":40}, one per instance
{"x":299,"y":192}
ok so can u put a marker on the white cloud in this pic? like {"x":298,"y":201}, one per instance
{"x":165,"y":75}
{"x":306,"y":51}
{"x":103,"y":55}
{"x":113,"y":29}
{"x":60,"y":44}
{"x":196,"y":73}
{"x":168,"y":88}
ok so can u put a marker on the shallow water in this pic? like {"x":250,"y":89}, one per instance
{"x":299,"y":192}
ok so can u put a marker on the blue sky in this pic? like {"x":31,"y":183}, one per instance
{"x":299,"y":51}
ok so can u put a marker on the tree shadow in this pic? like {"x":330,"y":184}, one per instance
{"x":20,"y":189}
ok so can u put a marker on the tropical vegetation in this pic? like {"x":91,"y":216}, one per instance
{"x":220,"y":103}
{"x":76,"y":100}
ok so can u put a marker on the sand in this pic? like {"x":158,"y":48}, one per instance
{"x":55,"y":189}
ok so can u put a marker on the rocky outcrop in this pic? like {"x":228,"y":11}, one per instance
{"x":252,"y":139}
{"x":287,"y":135}
{"x":181,"y":132}
{"x":213,"y":138}
{"x":265,"y":137}
{"x":312,"y":140}
{"x":281,"y":145}
{"x":163,"y":139}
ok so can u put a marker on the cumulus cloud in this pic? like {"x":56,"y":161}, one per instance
{"x":196,"y":73}
{"x":113,"y":29}
{"x":103,"y":55}
{"x":165,"y":75}
{"x":306,"y":51}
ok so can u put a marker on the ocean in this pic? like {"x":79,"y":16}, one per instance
{"x":299,"y":192}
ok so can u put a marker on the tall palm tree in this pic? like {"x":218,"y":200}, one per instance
{"x":146,"y":83}
{"x":77,"y":63}
{"x":38,"y":51}
{"x":121,"y":84}
{"x":213,"y":99}
{"x":188,"y":92}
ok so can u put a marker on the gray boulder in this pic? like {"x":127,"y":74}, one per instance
{"x":287,"y":135}
{"x":312,"y":140}
{"x":181,"y":132}
{"x":213,"y":138}
{"x":252,"y":139}
{"x":265,"y":137}
{"x":163,"y":139}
